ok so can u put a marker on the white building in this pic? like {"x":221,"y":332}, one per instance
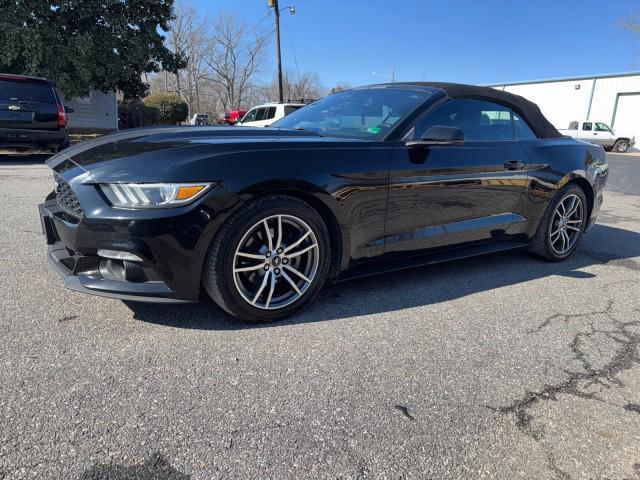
{"x":612,"y":99}
{"x":97,"y":112}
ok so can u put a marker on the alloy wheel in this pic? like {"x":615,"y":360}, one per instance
{"x":275,"y":262}
{"x":566,"y":224}
{"x":622,"y":147}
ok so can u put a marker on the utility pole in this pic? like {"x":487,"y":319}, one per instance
{"x":276,"y":9}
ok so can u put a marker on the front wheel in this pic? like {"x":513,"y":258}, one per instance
{"x":563,"y":224}
{"x":269,"y":260}
{"x":621,"y":146}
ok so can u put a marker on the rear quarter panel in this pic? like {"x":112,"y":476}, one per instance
{"x":552,"y":164}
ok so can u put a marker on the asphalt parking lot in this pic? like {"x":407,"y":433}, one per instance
{"x":496,"y":367}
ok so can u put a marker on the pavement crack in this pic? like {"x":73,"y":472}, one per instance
{"x":632,"y":407}
{"x":567,"y":317}
{"x":625,"y":356}
{"x":405,"y":411}
{"x":557,"y":471}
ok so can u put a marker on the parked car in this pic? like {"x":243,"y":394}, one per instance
{"x":365,"y":180}
{"x":232,"y":117}
{"x":600,"y":133}
{"x":31,"y":114}
{"x":199,"y":119}
{"x":265,"y":115}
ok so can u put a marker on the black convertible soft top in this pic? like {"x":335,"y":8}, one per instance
{"x":523,"y":107}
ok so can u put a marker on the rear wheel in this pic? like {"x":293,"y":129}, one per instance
{"x":563,"y":224}
{"x":621,"y":146}
{"x":269,"y":260}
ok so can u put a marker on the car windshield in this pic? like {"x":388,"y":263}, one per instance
{"x":367,"y":113}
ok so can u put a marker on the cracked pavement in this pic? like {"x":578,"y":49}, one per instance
{"x":496,"y":367}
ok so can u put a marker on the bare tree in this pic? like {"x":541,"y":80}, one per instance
{"x":306,"y":85}
{"x":225,"y":65}
{"x":234,"y":55}
{"x":340,"y":88}
{"x":295,"y":87}
{"x":188,"y":36}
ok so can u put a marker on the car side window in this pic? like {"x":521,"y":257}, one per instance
{"x":478,"y":119}
{"x":290,"y":109}
{"x":587,"y":126}
{"x":602,"y":127}
{"x":522,"y":130}
{"x":271,"y":112}
{"x":573,"y":126}
{"x":260,"y":114}
{"x":250,"y":116}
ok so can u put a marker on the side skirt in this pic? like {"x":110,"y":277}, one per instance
{"x":376,"y":268}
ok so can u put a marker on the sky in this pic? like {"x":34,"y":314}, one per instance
{"x":466,"y":41}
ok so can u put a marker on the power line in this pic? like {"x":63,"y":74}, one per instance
{"x":293,"y":47}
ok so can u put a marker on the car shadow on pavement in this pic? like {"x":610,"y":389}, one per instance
{"x":154,"y":468}
{"x":603,"y":245}
{"x":23,"y":159}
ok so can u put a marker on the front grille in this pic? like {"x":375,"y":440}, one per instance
{"x":66,"y":199}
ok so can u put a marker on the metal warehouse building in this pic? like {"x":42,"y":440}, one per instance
{"x":612,"y":99}
{"x":97,"y":112}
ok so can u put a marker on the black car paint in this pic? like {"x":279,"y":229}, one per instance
{"x":380,"y":199}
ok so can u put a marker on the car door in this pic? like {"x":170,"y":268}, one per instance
{"x":269,"y":114}
{"x":448,"y":195}
{"x":587,"y":133}
{"x":603,"y":135}
{"x":249,"y":119}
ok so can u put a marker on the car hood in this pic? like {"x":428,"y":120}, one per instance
{"x":141,"y":155}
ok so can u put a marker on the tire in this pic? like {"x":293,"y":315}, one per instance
{"x":548,"y":244}
{"x":621,"y":146}
{"x":247,"y":281}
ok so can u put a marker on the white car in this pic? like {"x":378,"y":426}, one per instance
{"x":600,"y":134}
{"x":265,"y":115}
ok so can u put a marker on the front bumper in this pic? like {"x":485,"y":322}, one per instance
{"x":92,"y":274}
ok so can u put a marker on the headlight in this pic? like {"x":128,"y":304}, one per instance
{"x":153,"y":195}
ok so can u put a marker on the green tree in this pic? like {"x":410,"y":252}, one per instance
{"x":171,"y":108}
{"x":87,"y":44}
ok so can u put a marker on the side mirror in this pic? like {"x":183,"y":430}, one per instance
{"x":68,"y":109}
{"x":439,"y":135}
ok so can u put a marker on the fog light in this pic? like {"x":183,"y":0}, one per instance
{"x":117,"y":255}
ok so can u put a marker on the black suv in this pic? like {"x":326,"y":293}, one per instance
{"x":31,"y":114}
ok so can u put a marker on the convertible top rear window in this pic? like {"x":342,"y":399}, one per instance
{"x":362,"y":113}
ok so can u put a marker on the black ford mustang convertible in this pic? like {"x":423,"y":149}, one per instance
{"x":362,"y":181}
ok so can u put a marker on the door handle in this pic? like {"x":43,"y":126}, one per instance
{"x":514,"y":165}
